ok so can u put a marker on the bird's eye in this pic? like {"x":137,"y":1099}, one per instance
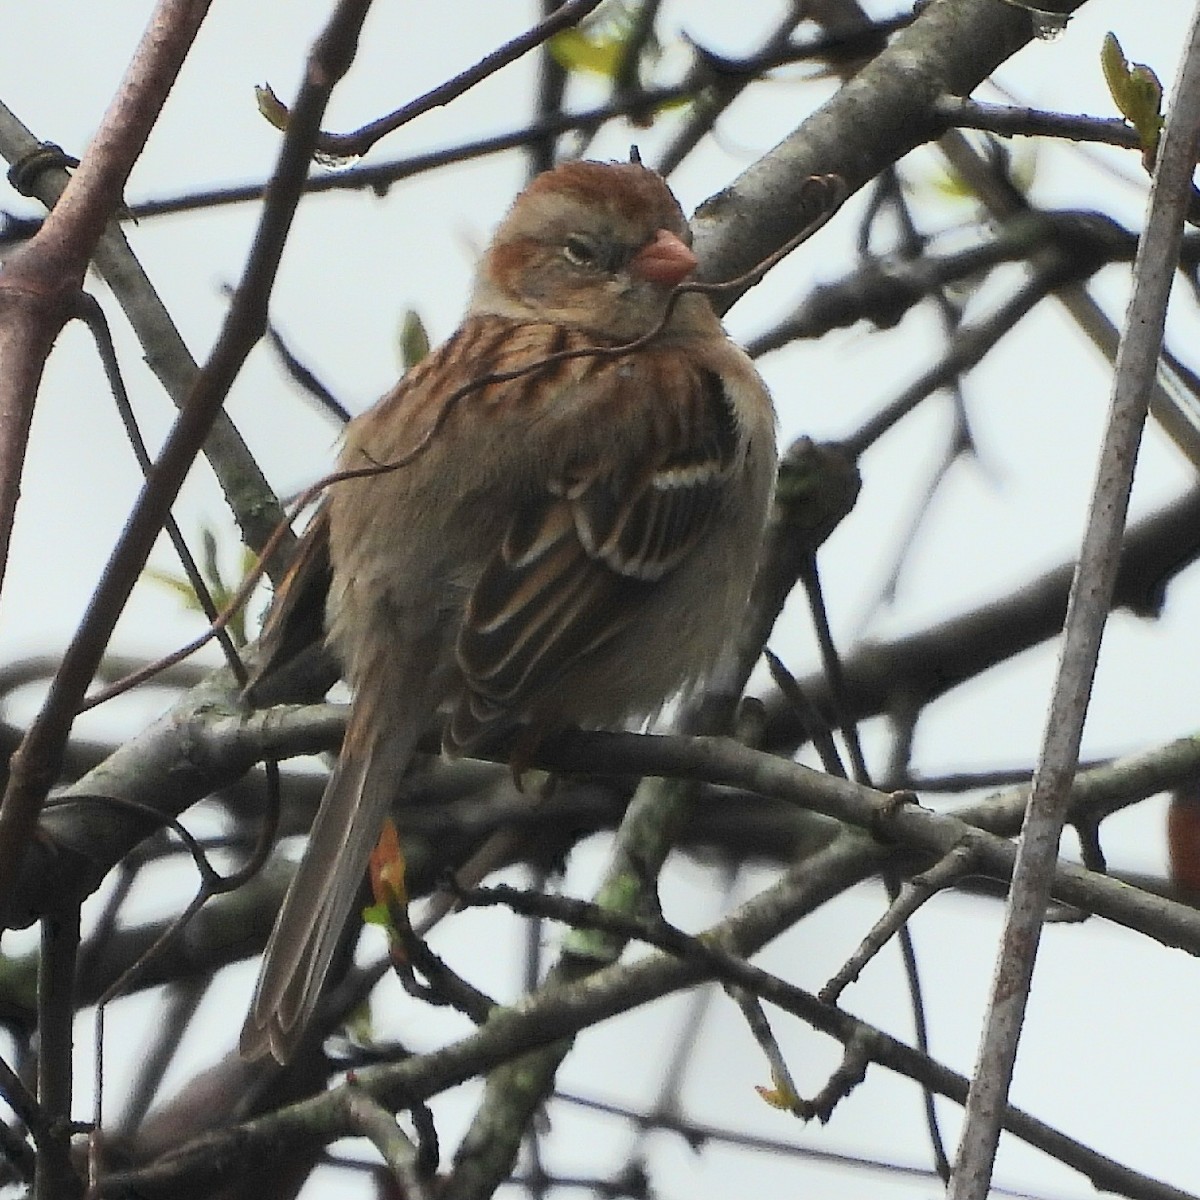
{"x":580,"y":252}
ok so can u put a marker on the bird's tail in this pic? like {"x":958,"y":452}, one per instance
{"x":374,"y":756}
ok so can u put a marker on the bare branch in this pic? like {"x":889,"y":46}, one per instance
{"x":54,"y":1177}
{"x":369,"y":1118}
{"x":957,"y":863}
{"x":1014,"y":121}
{"x":559,"y":1012}
{"x":253,"y":504}
{"x":885,"y":110}
{"x":50,"y":268}
{"x":351,"y":145}
{"x":1087,"y":611}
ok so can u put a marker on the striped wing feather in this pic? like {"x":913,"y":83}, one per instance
{"x":296,"y":623}
{"x":566,"y":576}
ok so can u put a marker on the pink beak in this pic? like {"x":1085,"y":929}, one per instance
{"x":666,"y":260}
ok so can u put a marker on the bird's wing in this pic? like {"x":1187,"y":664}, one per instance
{"x":566,"y":576}
{"x":295,"y":626}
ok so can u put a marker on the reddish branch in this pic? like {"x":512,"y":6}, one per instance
{"x":35,"y":763}
{"x":39,"y":287}
{"x":40,"y":281}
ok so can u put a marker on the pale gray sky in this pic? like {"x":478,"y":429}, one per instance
{"x":1105,"y":1055}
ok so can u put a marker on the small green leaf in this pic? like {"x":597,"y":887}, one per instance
{"x":1114,"y":65}
{"x":414,"y":339}
{"x":599,"y":46}
{"x":575,"y":50}
{"x":671,"y":105}
{"x":173,"y":583}
{"x":780,"y":1096}
{"x":1136,"y":90}
{"x":950,"y":185}
{"x":271,"y":107}
{"x":210,"y":569}
{"x":1019,"y":164}
{"x":209,"y":566}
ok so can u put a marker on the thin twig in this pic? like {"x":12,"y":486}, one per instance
{"x":249,"y":496}
{"x":93,"y":317}
{"x":19,"y":1098}
{"x":957,"y":863}
{"x":628,"y":76}
{"x":913,"y":245}
{"x":725,"y":87}
{"x":831,"y":663}
{"x":551,"y":90}
{"x":1013,"y":120}
{"x":965,"y":349}
{"x":783,"y":1092}
{"x":20,"y":1159}
{"x":816,"y":727}
{"x":54,"y":1177}
{"x":358,"y":142}
{"x":373,"y":1121}
{"x":701,"y":1133}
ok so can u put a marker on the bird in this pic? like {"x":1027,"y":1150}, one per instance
{"x":557,"y":527}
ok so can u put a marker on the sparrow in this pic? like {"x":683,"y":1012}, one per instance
{"x":558,"y":528}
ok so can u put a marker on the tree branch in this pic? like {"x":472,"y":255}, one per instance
{"x":48,"y":271}
{"x":1087,"y":610}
